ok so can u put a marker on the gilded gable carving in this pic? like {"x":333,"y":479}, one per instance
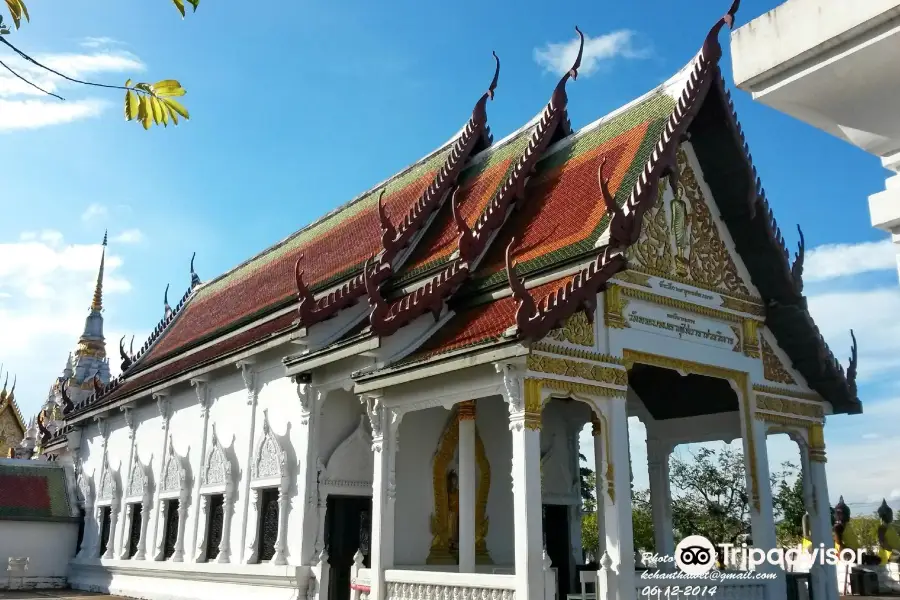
{"x":577,"y":330}
{"x":773,"y":370}
{"x":680,"y":240}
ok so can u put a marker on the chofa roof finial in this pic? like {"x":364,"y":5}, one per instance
{"x":126,"y":359}
{"x":851,"y":368}
{"x":195,"y":279}
{"x":526,"y":307}
{"x":797,"y":267}
{"x":167,"y":310}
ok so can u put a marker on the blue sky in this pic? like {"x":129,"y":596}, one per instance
{"x":299,"y":106}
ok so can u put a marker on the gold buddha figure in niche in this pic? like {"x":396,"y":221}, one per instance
{"x":680,"y":218}
{"x":453,"y":516}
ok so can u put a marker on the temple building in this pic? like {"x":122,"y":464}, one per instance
{"x":831,"y":64}
{"x":12,"y":426}
{"x":387,"y":404}
{"x":84,"y":374}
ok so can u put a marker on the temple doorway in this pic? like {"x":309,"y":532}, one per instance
{"x":348,"y":528}
{"x":558,"y":544}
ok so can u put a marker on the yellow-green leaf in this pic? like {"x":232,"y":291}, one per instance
{"x":145,"y":112}
{"x":164,"y":110}
{"x":168,"y":87}
{"x":179,"y":4}
{"x":128,"y":83}
{"x":177,"y":107}
{"x":157,"y":110}
{"x":194,"y":3}
{"x":27,"y":18}
{"x":131,"y":105}
{"x":171,"y":112}
{"x":16,"y":10}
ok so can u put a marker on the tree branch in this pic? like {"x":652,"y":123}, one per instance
{"x":32,"y":84}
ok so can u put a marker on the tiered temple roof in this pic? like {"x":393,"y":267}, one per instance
{"x":443,"y":236}
{"x":12,"y":425}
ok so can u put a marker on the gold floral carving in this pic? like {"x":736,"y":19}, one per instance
{"x":788,"y":406}
{"x":634,"y":278}
{"x":768,"y":389}
{"x":710,"y":262}
{"x":574,"y":388}
{"x":576,"y":330}
{"x":577,"y":353}
{"x":571,"y":368}
{"x":740,"y":379}
{"x":653,"y":250}
{"x":751,"y":338}
{"x":441,"y":552}
{"x":680,"y":305}
{"x":614,"y":305}
{"x":773,"y":370}
{"x":783,"y":420}
{"x":533,"y":403}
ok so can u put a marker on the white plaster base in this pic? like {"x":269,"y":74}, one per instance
{"x":151,"y":580}
{"x":888,"y":578}
{"x":31,"y":583}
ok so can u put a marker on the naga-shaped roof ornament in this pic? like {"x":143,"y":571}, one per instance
{"x":45,"y":433}
{"x":851,"y":368}
{"x":560,"y":99}
{"x":797,"y":267}
{"x":195,"y":279}
{"x":305,"y":297}
{"x":167,"y":310}
{"x":127,"y":359}
{"x":98,"y":385}
{"x":526,"y":306}
{"x":67,"y":405}
{"x":465,"y":243}
{"x":388,"y":231}
{"x":712,"y":50}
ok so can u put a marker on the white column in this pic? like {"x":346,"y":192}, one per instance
{"x":126,"y":541}
{"x":384,"y":442}
{"x":307,"y":451}
{"x":524,"y":399}
{"x":600,"y":488}
{"x":224,"y":555}
{"x":201,"y":534}
{"x":820,"y":515}
{"x":759,"y":490}
{"x":165,"y":412}
{"x":89,"y":535}
{"x":113,"y":519}
{"x":183,"y":501}
{"x":146,"y":505}
{"x":128,"y":509}
{"x":280,"y":556}
{"x":202,"y":391}
{"x":467,"y":482}
{"x":660,"y":496}
{"x":246,"y":368}
{"x":616,"y":503}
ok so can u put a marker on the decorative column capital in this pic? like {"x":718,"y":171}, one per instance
{"x":129,"y":420}
{"x":817,"y":443}
{"x":164,"y":405}
{"x":102,"y":427}
{"x":522,"y":395}
{"x":249,"y":376}
{"x":596,"y":425}
{"x":375,"y":411}
{"x":201,"y":388}
{"x":308,"y":395}
{"x":467,"y":410}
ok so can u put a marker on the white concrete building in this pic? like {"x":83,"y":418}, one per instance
{"x":318,"y":423}
{"x":832,"y":64}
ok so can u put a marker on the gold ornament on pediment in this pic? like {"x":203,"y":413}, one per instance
{"x":773,"y":370}
{"x":737,"y":336}
{"x":576,"y":330}
{"x":614,"y":308}
{"x":751,"y":337}
{"x":751,"y":308}
{"x":577,"y":353}
{"x":789,"y":406}
{"x":777,"y":391}
{"x":653,"y":250}
{"x":571,"y":368}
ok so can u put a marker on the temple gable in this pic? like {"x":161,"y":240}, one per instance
{"x":683,"y":240}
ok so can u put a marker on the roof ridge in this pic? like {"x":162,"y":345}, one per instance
{"x":395,"y":239}
{"x":472,"y":242}
{"x":535,"y":319}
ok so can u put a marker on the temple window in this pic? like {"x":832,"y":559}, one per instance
{"x":268,"y":523}
{"x":105,"y":527}
{"x":134,"y":534}
{"x":215,"y":525}
{"x":171,"y":531}
{"x":81,"y":515}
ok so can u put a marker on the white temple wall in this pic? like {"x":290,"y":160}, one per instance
{"x":339,"y":417}
{"x":186,"y":431}
{"x":48,"y":547}
{"x":231,"y":414}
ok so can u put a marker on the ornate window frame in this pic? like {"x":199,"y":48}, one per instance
{"x":175,"y":484}
{"x":552,"y":460}
{"x":336,"y":478}
{"x":109,"y":495}
{"x":139,"y":490}
{"x":86,"y":500}
{"x":269,"y":469}
{"x":217,"y":477}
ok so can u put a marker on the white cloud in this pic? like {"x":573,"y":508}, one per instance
{"x":94,"y":211}
{"x":45,"y":291}
{"x":129,"y":236}
{"x":557,"y":58}
{"x":23,"y":106}
{"x":830,"y":261}
{"x":98,"y":42}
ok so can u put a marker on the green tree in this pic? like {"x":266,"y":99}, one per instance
{"x":642,"y":521}
{"x":787,"y":502}
{"x":145,"y":103}
{"x":588,"y":485}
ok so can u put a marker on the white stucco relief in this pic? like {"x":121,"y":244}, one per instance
{"x":269,"y":469}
